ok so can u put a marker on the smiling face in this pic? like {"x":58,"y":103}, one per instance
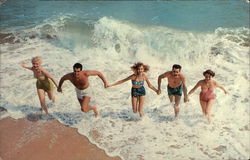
{"x":140,"y":69}
{"x":175,"y":72}
{"x":208,"y":77}
{"x":36,"y":64}
{"x":76,"y":71}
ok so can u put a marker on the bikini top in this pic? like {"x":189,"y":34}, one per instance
{"x":137,"y":83}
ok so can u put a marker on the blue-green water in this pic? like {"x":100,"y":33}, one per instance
{"x":184,"y":15}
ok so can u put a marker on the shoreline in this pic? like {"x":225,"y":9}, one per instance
{"x":24,"y":139}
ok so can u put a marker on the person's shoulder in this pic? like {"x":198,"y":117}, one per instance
{"x":201,"y":82}
{"x":167,"y":73}
{"x":69,"y":75}
{"x":41,"y":69}
{"x":144,"y":75}
{"x":214,"y":82}
{"x":132,"y":76}
{"x":87,"y":72}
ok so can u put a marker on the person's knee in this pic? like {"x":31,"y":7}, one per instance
{"x":42,"y":103}
{"x":206,"y":112}
{"x":84,"y":109}
{"x":176,"y":108}
{"x":51,"y":97}
{"x":176,"y":105}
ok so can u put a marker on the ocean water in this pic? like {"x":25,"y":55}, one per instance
{"x":109,"y":36}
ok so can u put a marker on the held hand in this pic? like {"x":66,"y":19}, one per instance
{"x":109,"y":85}
{"x":186,"y":99}
{"x":106,"y":85}
{"x":158,"y":92}
{"x":59,"y":89}
{"x":23,"y":64}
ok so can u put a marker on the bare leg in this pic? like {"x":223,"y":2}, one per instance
{"x":176,"y":105}
{"x":51,"y":95}
{"x":203,"y":107}
{"x":85,"y":107}
{"x":41,"y":95}
{"x":171,"y":98}
{"x":141,"y":102}
{"x":208,"y":109}
{"x":134,"y":104}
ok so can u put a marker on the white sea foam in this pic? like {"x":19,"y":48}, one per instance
{"x":114,"y":47}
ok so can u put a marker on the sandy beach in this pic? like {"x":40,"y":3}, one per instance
{"x":32,"y":139}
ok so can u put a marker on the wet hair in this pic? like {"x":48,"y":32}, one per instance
{"x":77,"y":65}
{"x":139,"y":64}
{"x":176,"y":66}
{"x":210,"y":72}
{"x":36,"y":59}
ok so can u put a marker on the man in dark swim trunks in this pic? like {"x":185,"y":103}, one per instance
{"x":176,"y":85}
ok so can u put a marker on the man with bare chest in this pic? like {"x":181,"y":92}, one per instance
{"x":176,"y":85}
{"x":79,"y":79}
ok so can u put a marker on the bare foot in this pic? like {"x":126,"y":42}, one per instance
{"x":46,"y":111}
{"x":141,"y":114}
{"x":176,"y":111}
{"x":209,"y":119}
{"x":96,"y":111}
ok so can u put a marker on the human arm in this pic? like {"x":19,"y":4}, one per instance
{"x":150,"y":85}
{"x":159,"y":81}
{"x":47,"y":74}
{"x":100,"y":75}
{"x":23,"y":64}
{"x":64,"y":78}
{"x":221,"y":87}
{"x":184,"y":89}
{"x":121,"y":81}
{"x":195,"y":87}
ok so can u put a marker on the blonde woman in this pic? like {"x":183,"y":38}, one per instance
{"x":44,"y":81}
{"x":138,"y":91}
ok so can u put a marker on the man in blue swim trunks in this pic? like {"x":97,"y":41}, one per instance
{"x":176,"y":85}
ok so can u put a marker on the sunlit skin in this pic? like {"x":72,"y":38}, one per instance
{"x":207,"y":84}
{"x":39,"y":71}
{"x":137,"y":102}
{"x":80,"y":80}
{"x":175,"y":79}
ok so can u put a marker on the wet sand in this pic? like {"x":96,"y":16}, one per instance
{"x":29,"y":139}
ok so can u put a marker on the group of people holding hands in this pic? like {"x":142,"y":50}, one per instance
{"x":79,"y":78}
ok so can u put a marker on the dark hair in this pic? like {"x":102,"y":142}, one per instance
{"x":77,"y":65}
{"x":176,"y":66}
{"x":210,"y":72}
{"x":137,"y":65}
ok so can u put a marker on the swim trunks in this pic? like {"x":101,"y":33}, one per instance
{"x":138,"y":92}
{"x":175,"y":91}
{"x":44,"y":83}
{"x":82,"y":93}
